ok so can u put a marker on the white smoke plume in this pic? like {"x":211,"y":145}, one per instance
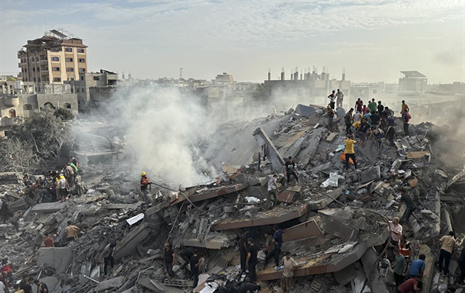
{"x":162,"y":130}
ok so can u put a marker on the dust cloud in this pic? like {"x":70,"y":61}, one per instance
{"x":162,"y":130}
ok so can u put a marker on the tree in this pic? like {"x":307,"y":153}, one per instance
{"x":18,"y":156}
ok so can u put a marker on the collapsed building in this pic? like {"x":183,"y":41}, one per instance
{"x":334,"y":222}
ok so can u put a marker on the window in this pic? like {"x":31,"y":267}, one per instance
{"x":55,"y":68}
{"x":96,"y":78}
{"x":70,"y":69}
{"x":82,"y":60}
{"x":34,"y":69}
{"x":69,"y":59}
{"x":68,"y":49}
{"x":82,"y":77}
{"x":37,"y":59}
{"x":34,"y":79}
{"x":80,"y":50}
{"x":38,"y":69}
{"x":55,"y":58}
{"x":56,"y":79}
{"x":82,"y":70}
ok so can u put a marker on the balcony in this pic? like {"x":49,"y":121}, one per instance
{"x":45,"y":61}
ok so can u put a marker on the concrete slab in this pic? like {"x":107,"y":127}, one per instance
{"x":321,"y":200}
{"x":266,"y":144}
{"x":305,"y":110}
{"x":306,"y":229}
{"x":59,"y":258}
{"x":371,"y":174}
{"x":306,"y":154}
{"x":49,"y":207}
{"x":218,"y":242}
{"x":370,"y":266}
{"x":128,"y":245}
{"x":418,"y":155}
{"x":275,"y":216}
{"x":331,"y":136}
{"x":109,"y":284}
{"x":289,"y":194}
{"x":328,"y":263}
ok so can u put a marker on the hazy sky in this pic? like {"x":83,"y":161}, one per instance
{"x":372,"y":39}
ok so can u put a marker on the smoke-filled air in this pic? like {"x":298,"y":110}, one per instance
{"x":162,"y":129}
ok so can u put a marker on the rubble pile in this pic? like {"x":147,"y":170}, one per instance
{"x":334,"y":221}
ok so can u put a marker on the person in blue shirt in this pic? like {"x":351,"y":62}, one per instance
{"x":278,"y":240}
{"x":417,"y":267}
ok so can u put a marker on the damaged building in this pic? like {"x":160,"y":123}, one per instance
{"x":334,"y":222}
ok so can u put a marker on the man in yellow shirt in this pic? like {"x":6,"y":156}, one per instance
{"x":404,"y":108}
{"x":447,"y":248}
{"x":350,"y":152}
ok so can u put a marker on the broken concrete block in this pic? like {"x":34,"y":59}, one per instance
{"x":273,"y":155}
{"x":304,"y":110}
{"x":109,"y":284}
{"x":49,"y":207}
{"x":331,"y":136}
{"x":373,"y":173}
{"x":58,"y":258}
{"x":130,"y":242}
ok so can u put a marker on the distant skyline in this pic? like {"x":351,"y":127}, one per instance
{"x":372,"y":39}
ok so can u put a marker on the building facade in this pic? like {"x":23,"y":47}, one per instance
{"x":53,"y":58}
{"x":311,"y":87}
{"x":413,"y":82}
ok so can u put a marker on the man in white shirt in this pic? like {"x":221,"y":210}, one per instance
{"x":340,"y":97}
{"x":396,"y":231}
{"x":289,"y":265}
{"x":272,"y":191}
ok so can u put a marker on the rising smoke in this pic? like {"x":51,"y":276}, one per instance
{"x":162,"y":130}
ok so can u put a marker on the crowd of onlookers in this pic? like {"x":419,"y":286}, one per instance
{"x":57,"y":185}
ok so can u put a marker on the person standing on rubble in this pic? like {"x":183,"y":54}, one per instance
{"x":331,"y":98}
{"x":361,"y":132}
{"x":278,"y":241}
{"x":48,"y":241}
{"x":365,"y":110}
{"x":107,"y":256}
{"x":350,"y":151}
{"x":186,"y":254}
{"x":7,"y":269}
{"x":407,"y":199}
{"x":62,"y":188}
{"x":195,"y":262}
{"x":396,"y":231}
{"x":357,"y":116}
{"x":359,"y":105}
{"x":372,"y":106}
{"x":273,"y":191}
{"x":380,"y":108}
{"x":330,"y":114}
{"x":406,"y":118}
{"x":269,"y":248}
{"x":391,"y":131}
{"x":399,"y":267}
{"x":71,"y":232}
{"x":411,"y":285}
{"x":404,"y":247}
{"x":348,"y":120}
{"x":447,"y":248}
{"x":169,"y":259}
{"x":417,"y":267}
{"x":340,"y":98}
{"x":243,"y":249}
{"x":404,"y":108}
{"x":288,"y":272}
{"x":144,"y":183}
{"x":290,"y":170}
{"x":42,"y":287}
{"x":18,"y":289}
{"x":252,"y":260}
{"x":69,"y":174}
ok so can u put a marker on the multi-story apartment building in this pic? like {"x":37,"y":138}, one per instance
{"x":53,"y":58}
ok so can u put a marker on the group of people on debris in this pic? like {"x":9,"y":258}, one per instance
{"x":57,"y":185}
{"x":373,"y":122}
{"x":191,"y":257}
{"x":24,"y":286}
{"x":249,"y":249}
{"x":409,"y":272}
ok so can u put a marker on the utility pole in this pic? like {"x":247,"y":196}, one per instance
{"x":180,"y":73}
